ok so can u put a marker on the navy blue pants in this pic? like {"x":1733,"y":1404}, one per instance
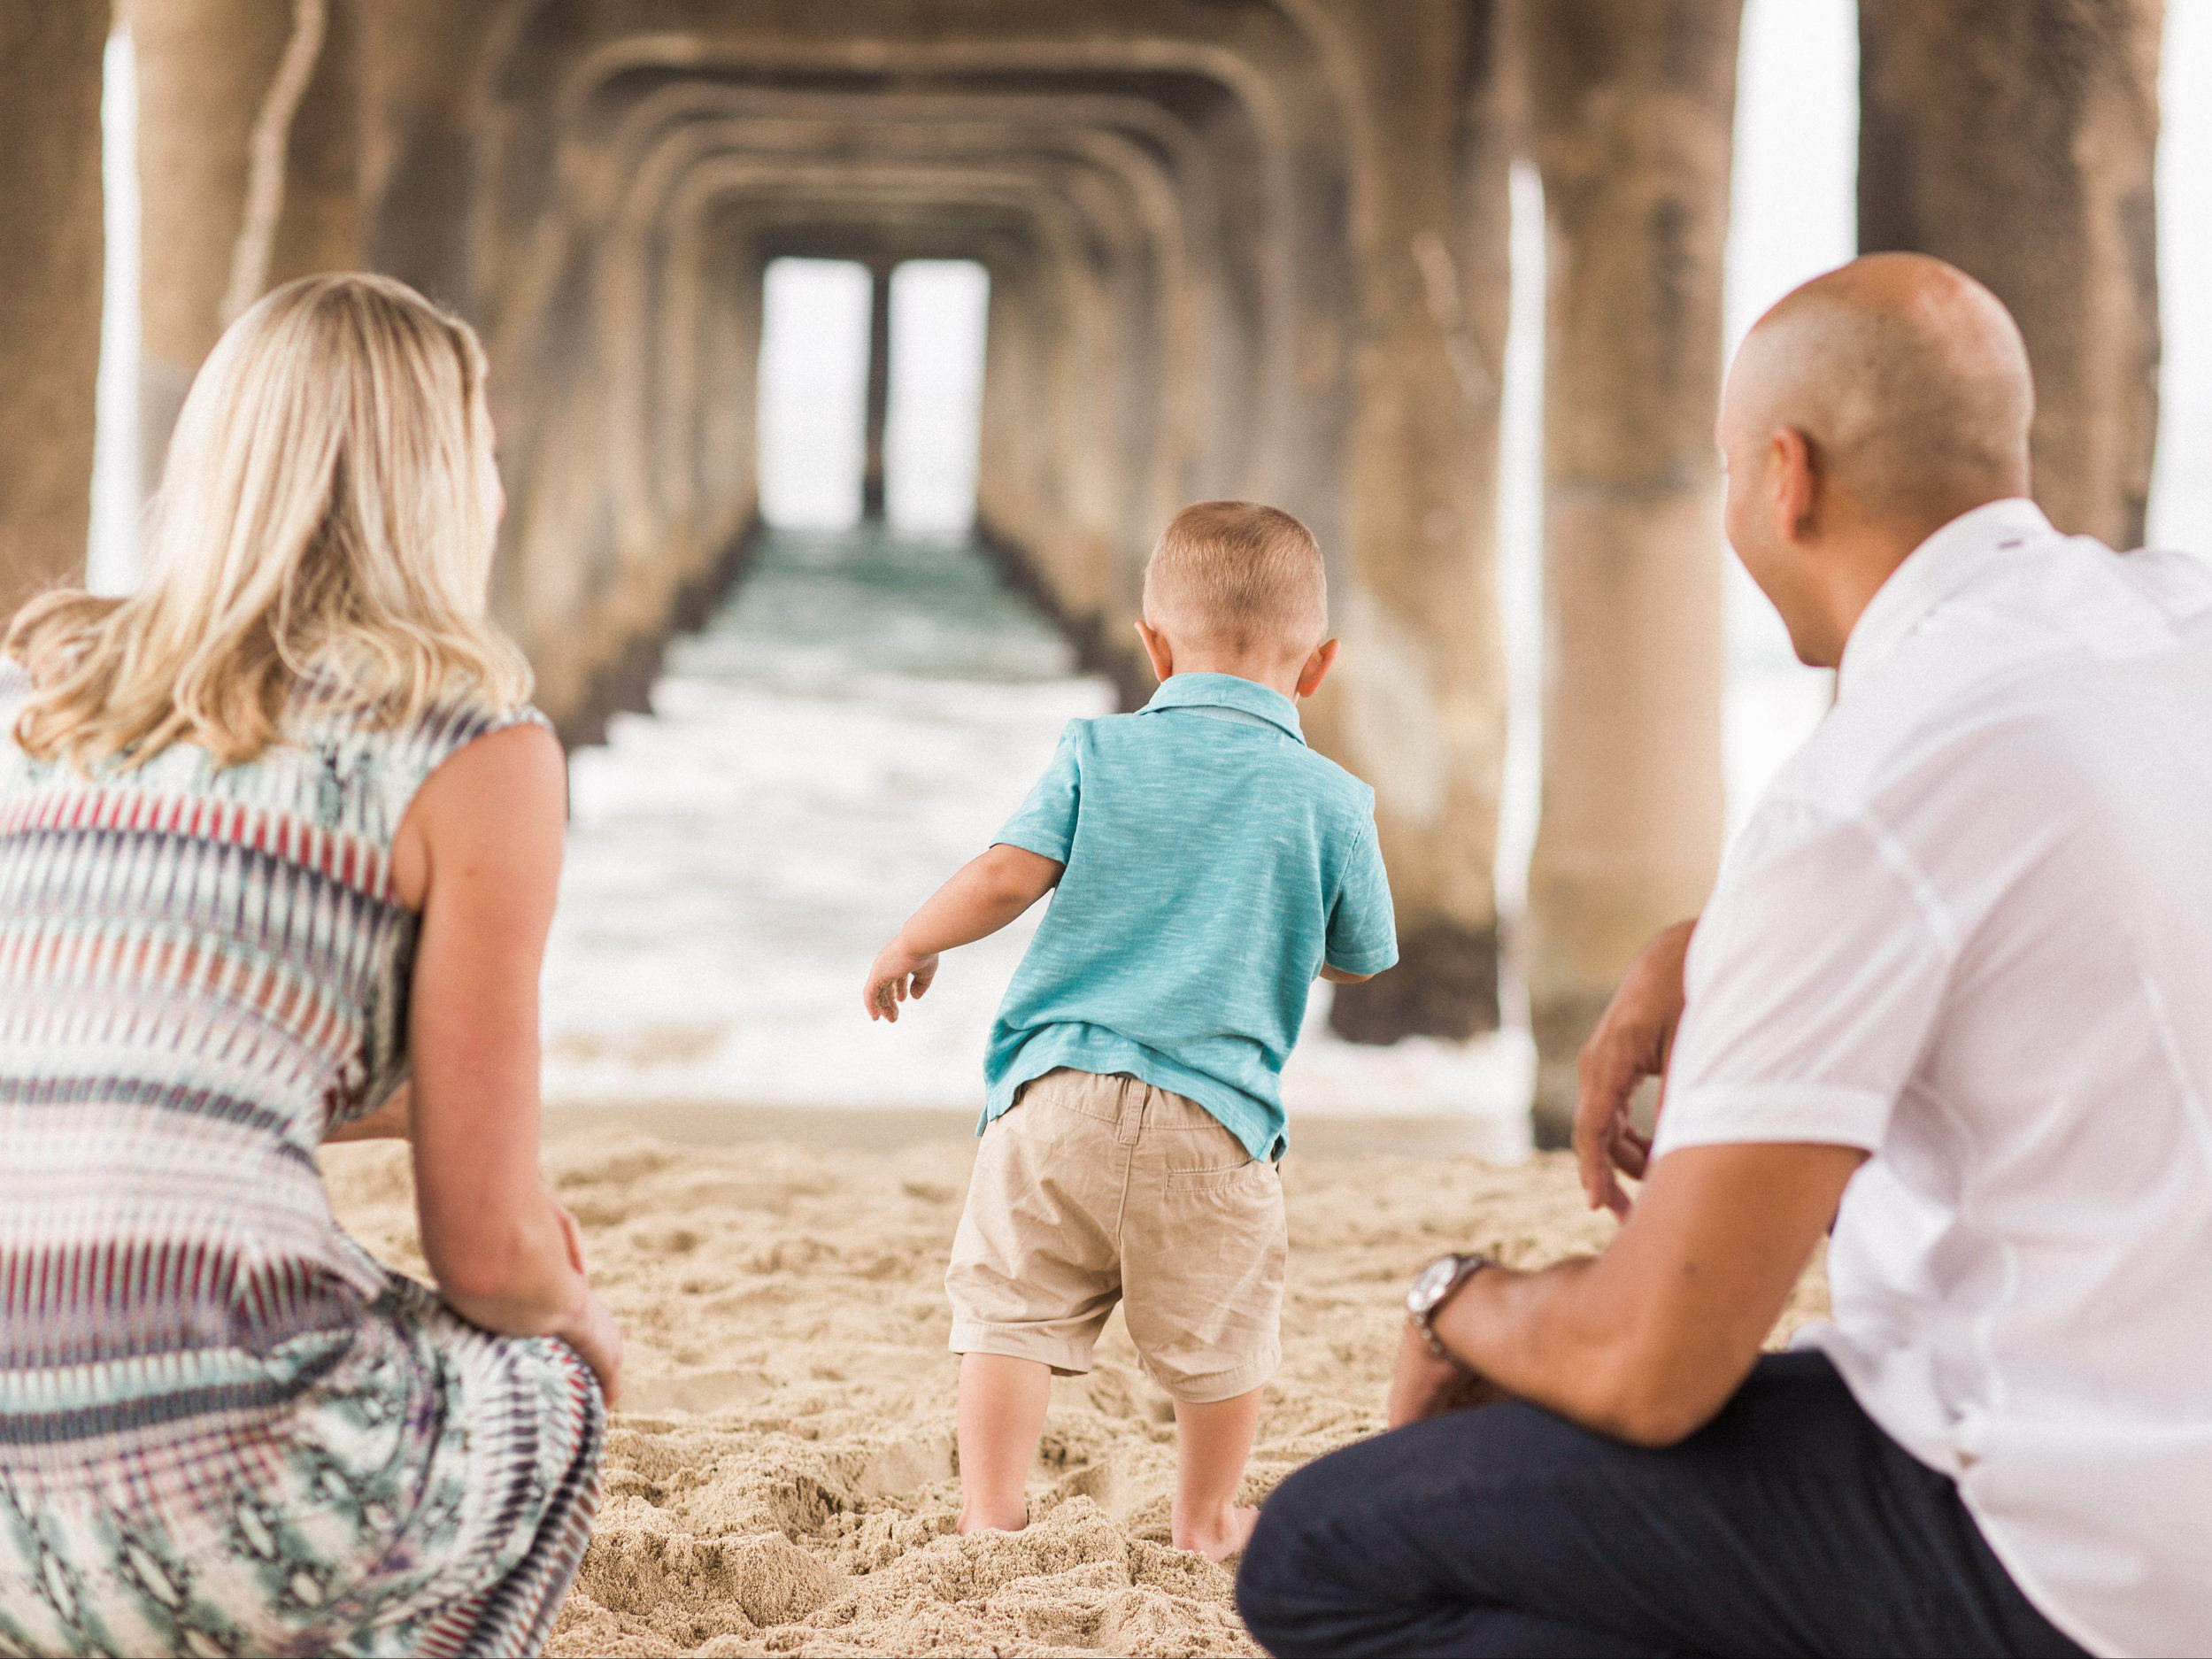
{"x":1788,"y":1524}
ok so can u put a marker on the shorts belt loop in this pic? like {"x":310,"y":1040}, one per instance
{"x":1129,"y":1116}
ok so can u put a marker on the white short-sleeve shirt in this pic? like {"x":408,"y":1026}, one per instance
{"x":1970,"y":929}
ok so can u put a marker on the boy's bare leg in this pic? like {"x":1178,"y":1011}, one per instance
{"x":1212,"y":1442}
{"x":1003,"y":1402}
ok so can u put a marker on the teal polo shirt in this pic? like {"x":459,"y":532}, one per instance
{"x":1215,"y":862}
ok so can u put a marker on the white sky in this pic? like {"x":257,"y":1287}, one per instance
{"x":939,"y":308}
{"x":812,"y":393}
{"x":112,"y":561}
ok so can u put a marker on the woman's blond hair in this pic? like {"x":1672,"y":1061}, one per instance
{"x":329,"y":509}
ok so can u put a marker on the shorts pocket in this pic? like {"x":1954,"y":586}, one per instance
{"x":1080,"y":1093}
{"x":1229,"y":1178}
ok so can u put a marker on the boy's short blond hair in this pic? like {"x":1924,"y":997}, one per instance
{"x":1238,"y":576}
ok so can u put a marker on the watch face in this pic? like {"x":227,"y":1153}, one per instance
{"x":1432,"y":1282}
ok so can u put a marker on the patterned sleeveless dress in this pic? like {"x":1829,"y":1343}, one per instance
{"x":224,"y":1427}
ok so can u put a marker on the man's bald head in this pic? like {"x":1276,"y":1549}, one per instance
{"x":1908,"y":380}
{"x":1866,"y":411}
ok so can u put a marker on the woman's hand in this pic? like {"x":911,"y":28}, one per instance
{"x":571,"y":1233}
{"x":1426,"y":1386}
{"x":592,"y":1331}
{"x":1630,"y":1044}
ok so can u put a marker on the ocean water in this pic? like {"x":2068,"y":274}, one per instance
{"x":852,"y":725}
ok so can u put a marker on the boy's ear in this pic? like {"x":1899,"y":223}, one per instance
{"x":1317,"y":668}
{"x":1157,"y":648}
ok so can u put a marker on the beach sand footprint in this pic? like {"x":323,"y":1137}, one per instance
{"x":782,"y":1477}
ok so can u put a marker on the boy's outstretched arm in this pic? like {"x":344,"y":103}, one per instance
{"x":982,"y":898}
{"x":1338,"y":976}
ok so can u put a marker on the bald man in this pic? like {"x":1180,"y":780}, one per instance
{"x":1952,"y":998}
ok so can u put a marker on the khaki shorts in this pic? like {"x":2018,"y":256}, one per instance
{"x":1098,"y":1190}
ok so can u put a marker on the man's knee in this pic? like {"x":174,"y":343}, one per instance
{"x":1298,"y":1587}
{"x":1261,"y":1580}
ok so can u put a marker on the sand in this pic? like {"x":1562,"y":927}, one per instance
{"x":779,"y":1478}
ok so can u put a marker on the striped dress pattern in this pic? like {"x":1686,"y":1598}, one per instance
{"x":224,"y":1427}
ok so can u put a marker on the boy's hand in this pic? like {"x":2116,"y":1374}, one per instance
{"x":897,"y":974}
{"x":982,"y":898}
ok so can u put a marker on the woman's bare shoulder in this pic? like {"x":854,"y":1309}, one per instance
{"x":500,"y":800}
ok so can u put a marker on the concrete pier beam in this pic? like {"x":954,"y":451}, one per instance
{"x":1633,"y":104}
{"x":248,"y":161}
{"x":2017,"y":141}
{"x":50,"y":256}
{"x":879,"y":390}
{"x":420,"y":63}
{"x":204,"y":66}
{"x":319,"y":224}
{"x":1419,"y":709}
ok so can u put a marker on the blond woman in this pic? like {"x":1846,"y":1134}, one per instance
{"x":278,"y":843}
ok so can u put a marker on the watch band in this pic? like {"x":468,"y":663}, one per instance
{"x":1464,"y":1268}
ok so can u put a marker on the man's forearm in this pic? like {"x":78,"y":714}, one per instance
{"x":1538,"y":1337}
{"x":1648,"y":1340}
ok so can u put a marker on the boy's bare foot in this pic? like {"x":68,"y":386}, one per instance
{"x":975,"y":1520}
{"x":1213,"y":1440}
{"x":1220,"y":1535}
{"x":1003,"y":1402}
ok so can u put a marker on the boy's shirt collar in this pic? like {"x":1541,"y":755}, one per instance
{"x":1227,"y":691}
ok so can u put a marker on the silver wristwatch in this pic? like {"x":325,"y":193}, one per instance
{"x":1432,"y":1287}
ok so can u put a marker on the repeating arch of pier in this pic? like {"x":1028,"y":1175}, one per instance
{"x":1234,"y":247}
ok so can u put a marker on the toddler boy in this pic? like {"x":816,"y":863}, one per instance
{"x":1207,"y":865}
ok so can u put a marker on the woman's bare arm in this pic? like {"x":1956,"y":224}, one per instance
{"x":480,"y":852}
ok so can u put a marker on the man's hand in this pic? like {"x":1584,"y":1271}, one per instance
{"x":1426,"y":1386}
{"x":1630,"y":1044}
{"x":896,"y":974}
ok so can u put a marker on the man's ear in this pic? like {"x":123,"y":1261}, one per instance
{"x":1797,"y":482}
{"x":1317,"y":668}
{"x":1157,"y":648}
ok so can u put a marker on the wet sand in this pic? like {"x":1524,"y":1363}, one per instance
{"x":779,"y":1477}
